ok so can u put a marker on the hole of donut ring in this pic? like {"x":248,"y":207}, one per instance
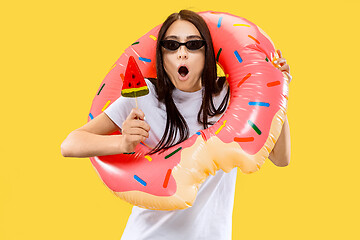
{"x":183,"y":71}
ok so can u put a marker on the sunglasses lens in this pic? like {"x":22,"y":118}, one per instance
{"x":195,"y":44}
{"x":170,"y":44}
{"x":191,"y":45}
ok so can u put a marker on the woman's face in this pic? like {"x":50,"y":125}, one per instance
{"x":183,"y":66}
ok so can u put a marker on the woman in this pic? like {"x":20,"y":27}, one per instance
{"x":186,"y":82}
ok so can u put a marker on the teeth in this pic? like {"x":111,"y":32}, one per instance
{"x":183,"y":71}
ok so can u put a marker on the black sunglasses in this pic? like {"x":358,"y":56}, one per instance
{"x":172,"y":45}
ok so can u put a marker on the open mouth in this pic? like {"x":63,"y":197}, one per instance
{"x":183,"y":71}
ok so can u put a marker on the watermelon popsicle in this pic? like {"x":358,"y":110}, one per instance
{"x":134,"y":84}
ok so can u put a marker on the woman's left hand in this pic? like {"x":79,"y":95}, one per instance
{"x":283,"y":66}
{"x":280,"y":154}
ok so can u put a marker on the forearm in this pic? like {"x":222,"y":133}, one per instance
{"x":81,"y":143}
{"x":280,"y":155}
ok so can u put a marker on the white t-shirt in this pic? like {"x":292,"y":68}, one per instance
{"x":210,"y":217}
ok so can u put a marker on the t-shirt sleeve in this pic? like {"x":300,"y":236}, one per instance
{"x":120,"y":109}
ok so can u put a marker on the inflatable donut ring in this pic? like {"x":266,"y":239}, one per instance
{"x":243,"y":137}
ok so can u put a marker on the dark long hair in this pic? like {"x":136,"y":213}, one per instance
{"x":175,"y":123}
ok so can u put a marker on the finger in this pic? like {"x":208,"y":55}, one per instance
{"x":285,"y":68}
{"x":139,"y":113}
{"x":136,"y":131}
{"x":136,"y":113}
{"x":279,"y":53}
{"x":135,"y":123}
{"x":288,"y":76}
{"x":280,"y":61}
{"x":142,"y":124}
{"x":130,"y":124}
{"x":132,"y":115}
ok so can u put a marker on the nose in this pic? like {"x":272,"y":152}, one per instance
{"x":182,"y":53}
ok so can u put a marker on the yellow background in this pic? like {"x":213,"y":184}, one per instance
{"x":54,"y":55}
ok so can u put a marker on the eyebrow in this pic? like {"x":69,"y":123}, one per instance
{"x":188,"y":37}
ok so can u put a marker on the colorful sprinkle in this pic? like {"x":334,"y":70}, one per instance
{"x":153,"y":37}
{"x":287,"y":98}
{"x":245,"y":139}
{"x":257,"y":130}
{"x":203,"y":136}
{"x":91,"y":116}
{"x":166,"y":157}
{"x":219,"y":70}
{"x":254,"y":39}
{"x":266,"y":59}
{"x":221,"y":127}
{"x":238,"y":56}
{"x":135,"y":43}
{"x":167,"y":177}
{"x":219,"y":22}
{"x":241,"y":25}
{"x":140,"y":180}
{"x":244,"y":79}
{"x":130,"y":153}
{"x":272,"y":84}
{"x":101,"y":88}
{"x":145,"y":144}
{"x":198,"y":133}
{"x":218,"y":54}
{"x":144,"y":59}
{"x":262,"y":104}
{"x":122,"y":76}
{"x":148,"y":158}
{"x":105,"y":106}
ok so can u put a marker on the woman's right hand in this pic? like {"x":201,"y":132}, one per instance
{"x":134,"y":130}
